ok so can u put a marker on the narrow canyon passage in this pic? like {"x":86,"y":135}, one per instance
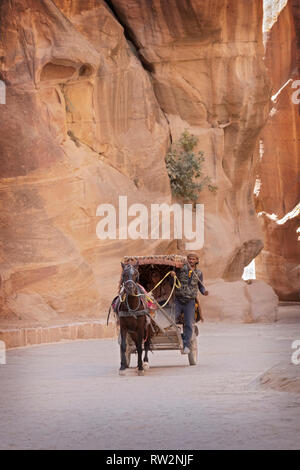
{"x":140,"y":132}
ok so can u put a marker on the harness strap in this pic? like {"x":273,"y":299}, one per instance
{"x":176,"y":284}
{"x":144,"y":296}
{"x":133,"y":313}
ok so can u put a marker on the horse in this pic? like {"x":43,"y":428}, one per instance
{"x":132,"y":311}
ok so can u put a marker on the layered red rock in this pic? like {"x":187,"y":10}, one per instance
{"x":79,"y":126}
{"x":279,"y":167}
{"x":90,"y":112}
{"x":206,"y":60}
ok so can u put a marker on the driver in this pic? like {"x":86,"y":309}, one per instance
{"x":190,"y":278}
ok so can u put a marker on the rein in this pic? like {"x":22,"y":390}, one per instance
{"x":176,"y":284}
{"x":132,"y":311}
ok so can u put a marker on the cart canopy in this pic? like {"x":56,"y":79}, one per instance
{"x":168,"y":260}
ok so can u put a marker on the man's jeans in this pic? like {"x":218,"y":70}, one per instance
{"x":188,"y":310}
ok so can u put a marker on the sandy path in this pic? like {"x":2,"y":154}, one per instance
{"x":69,"y":396}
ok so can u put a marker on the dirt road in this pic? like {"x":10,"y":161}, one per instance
{"x":70,"y":396}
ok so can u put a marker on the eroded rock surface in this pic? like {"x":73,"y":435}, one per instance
{"x":282,"y":378}
{"x":278,"y":171}
{"x":239,"y":301}
{"x":91,"y":110}
{"x":206,"y":60}
{"x":80,"y":125}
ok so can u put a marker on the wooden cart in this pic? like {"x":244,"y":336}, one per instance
{"x":168,"y":332}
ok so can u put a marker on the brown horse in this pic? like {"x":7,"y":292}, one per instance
{"x":132,"y":311}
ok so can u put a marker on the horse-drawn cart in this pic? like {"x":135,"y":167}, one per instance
{"x":163,"y":327}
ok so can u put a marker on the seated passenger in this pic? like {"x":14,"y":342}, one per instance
{"x":163,"y":291}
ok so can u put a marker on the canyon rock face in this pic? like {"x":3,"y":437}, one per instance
{"x":81,"y":124}
{"x":278,"y":171}
{"x":206,"y":62}
{"x":251,"y":301}
{"x":95,"y":93}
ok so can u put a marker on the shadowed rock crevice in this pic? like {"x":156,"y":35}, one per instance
{"x":242,"y":257}
{"x":56,"y":72}
{"x":129,"y":34}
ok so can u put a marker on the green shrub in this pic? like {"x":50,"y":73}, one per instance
{"x":184,"y":168}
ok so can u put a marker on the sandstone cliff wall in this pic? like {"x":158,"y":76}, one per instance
{"x":96,"y":92}
{"x":278,"y":171}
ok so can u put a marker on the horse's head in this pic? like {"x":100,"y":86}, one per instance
{"x":130,"y":277}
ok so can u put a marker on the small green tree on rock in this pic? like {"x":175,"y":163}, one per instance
{"x":184,"y":168}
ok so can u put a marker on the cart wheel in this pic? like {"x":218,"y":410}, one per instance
{"x":193,"y":355}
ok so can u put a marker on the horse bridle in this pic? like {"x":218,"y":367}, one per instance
{"x":123,"y":288}
{"x":136,"y":271}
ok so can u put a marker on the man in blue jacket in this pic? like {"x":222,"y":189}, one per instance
{"x":191,"y":279}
